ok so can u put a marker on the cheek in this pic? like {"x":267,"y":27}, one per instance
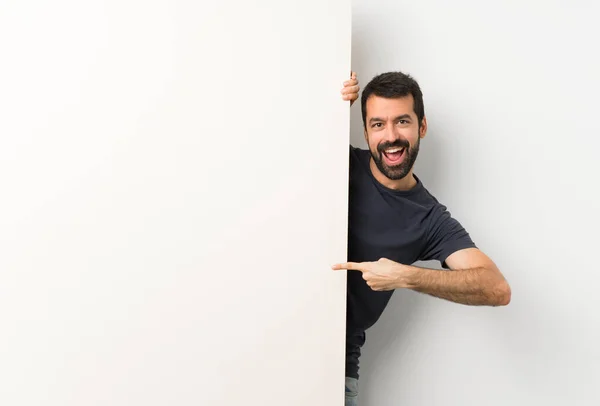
{"x":373,"y":140}
{"x":411,"y":135}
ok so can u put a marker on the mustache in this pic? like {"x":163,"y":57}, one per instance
{"x":391,"y":144}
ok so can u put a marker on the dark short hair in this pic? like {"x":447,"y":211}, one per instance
{"x":393,"y":85}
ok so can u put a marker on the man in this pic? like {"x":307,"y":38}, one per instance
{"x":394,"y":221}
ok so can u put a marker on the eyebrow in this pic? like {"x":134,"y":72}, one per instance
{"x":378,"y":119}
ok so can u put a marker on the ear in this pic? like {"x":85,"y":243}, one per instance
{"x":366,"y":135}
{"x":423,"y":129}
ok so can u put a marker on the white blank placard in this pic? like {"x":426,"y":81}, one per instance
{"x":174,"y":191}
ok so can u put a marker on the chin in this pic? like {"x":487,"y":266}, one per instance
{"x":394,"y":172}
{"x":395,"y":175}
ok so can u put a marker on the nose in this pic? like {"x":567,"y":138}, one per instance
{"x":391,"y":133}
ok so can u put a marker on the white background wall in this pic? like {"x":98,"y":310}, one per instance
{"x":511,"y":93}
{"x":173,"y":179}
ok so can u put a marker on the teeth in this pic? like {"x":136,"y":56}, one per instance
{"x":393,"y":150}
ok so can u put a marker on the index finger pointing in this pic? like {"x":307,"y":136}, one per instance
{"x":351,"y":266}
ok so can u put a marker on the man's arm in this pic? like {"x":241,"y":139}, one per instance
{"x":473,"y":278}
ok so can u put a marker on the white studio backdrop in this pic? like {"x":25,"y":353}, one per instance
{"x":511,"y":94}
{"x":173,"y":180}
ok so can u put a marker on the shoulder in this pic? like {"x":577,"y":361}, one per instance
{"x":438,"y":212}
{"x":359,"y":158}
{"x":445,"y":234}
{"x":421,"y":195}
{"x":358,"y":153}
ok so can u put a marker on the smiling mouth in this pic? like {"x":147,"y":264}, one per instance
{"x":394,"y":155}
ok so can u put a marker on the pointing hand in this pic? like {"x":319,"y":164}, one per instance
{"x":381,"y":275}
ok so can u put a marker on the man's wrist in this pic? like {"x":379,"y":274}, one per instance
{"x":407,"y":276}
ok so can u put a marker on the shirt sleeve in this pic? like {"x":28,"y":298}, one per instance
{"x":445,"y":235}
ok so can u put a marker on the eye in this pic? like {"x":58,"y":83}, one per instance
{"x":376,"y":125}
{"x":403,"y":121}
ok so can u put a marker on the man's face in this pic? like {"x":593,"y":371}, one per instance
{"x":393,"y":134}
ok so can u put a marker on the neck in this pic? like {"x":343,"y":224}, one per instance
{"x":406,"y":183}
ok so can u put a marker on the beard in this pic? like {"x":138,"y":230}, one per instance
{"x":396,"y":172}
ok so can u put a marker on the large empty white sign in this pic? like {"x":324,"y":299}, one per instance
{"x":174,"y":191}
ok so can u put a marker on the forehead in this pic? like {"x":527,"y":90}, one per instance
{"x":384,"y":107}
